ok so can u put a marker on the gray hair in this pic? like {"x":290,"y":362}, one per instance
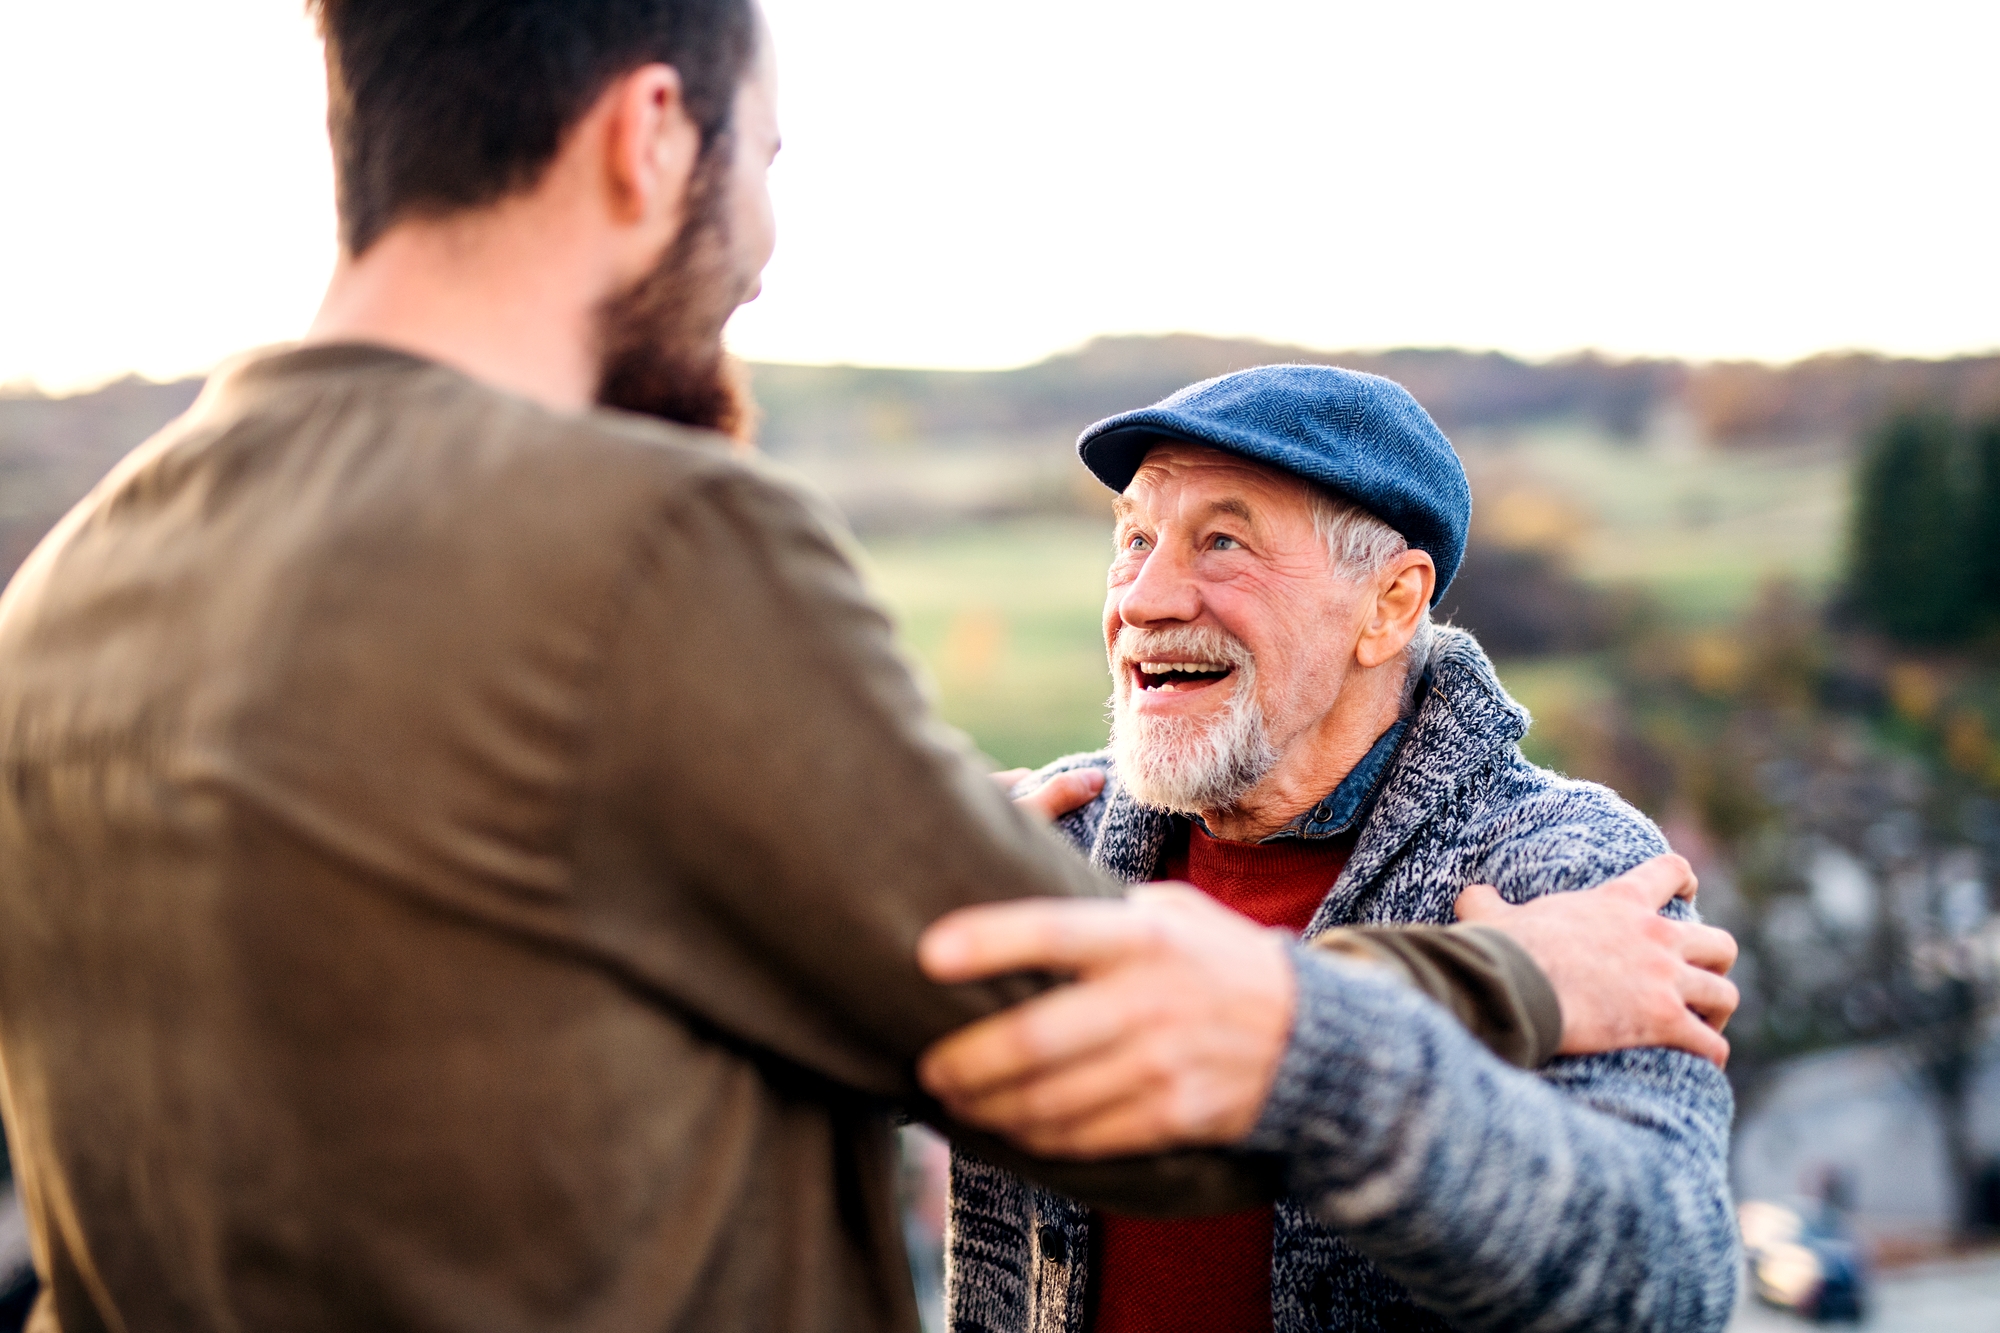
{"x":1361,"y":545}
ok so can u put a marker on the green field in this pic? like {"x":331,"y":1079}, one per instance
{"x":1006,"y":618}
{"x":1699,"y":529}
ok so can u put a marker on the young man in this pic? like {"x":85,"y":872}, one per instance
{"x":1293,"y":736}
{"x":467,"y":829}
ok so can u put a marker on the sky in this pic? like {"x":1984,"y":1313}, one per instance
{"x":974,"y":185}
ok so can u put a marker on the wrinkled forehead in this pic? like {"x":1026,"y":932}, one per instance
{"x":1175,"y":473}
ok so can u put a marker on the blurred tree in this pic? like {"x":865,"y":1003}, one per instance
{"x":1985,"y":517}
{"x":1525,"y":602}
{"x":1914,"y":571}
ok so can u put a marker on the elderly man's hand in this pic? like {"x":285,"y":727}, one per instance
{"x":1170,"y":1036}
{"x":1058,"y":796}
{"x":1625,"y":975}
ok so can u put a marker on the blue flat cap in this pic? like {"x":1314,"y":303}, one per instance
{"x":1361,"y":436}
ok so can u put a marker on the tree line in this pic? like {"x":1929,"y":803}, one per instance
{"x":1925,"y":559}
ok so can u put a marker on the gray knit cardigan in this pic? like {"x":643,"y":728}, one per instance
{"x":1431,"y":1186}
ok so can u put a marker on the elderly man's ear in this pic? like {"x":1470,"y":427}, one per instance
{"x":1402,"y":593}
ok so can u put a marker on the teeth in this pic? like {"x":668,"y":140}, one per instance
{"x":1190,"y":668}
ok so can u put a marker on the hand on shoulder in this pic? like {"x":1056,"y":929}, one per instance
{"x":1623,"y":974}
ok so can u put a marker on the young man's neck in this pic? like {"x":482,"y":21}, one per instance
{"x":1318,"y":762}
{"x":500,"y":293}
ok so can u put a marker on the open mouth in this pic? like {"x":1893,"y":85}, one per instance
{"x":1170,"y":677}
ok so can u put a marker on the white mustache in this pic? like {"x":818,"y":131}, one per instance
{"x":1192,"y":643}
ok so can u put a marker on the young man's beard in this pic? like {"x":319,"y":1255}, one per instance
{"x":1185,"y":765}
{"x":661,"y":338}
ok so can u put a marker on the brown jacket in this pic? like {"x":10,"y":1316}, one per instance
{"x":459,"y":869}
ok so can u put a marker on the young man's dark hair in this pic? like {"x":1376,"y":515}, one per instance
{"x":440,"y":105}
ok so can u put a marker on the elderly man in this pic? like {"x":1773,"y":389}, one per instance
{"x":1293,"y":736}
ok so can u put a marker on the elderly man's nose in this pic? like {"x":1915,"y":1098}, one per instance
{"x":1163,"y":591}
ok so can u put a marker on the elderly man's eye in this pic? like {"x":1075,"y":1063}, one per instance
{"x":1228,"y":544}
{"x":1137,"y":542}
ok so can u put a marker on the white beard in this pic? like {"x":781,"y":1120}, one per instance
{"x":1181,"y":764}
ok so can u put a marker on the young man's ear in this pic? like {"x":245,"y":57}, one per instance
{"x":1402,"y":593}
{"x":651,"y":146}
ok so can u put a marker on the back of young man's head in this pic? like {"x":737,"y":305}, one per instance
{"x":441,"y":107}
{"x":435,"y":106}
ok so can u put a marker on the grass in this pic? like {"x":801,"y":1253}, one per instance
{"x":1006,"y":618}
{"x":1701,"y":530}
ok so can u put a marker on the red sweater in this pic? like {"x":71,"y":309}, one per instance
{"x":1212,"y":1274}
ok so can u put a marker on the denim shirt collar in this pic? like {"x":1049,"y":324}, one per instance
{"x":1346,"y":805}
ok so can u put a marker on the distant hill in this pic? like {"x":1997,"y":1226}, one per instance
{"x":818,"y":407}
{"x":810,"y":408}
{"x":897,"y":445}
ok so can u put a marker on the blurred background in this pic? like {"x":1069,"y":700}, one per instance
{"x":1707,"y":296}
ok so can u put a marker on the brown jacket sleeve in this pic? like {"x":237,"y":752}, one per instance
{"x":776,"y":814}
{"x":1488,"y":982}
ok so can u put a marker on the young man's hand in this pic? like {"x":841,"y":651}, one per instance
{"x":1171,"y":1034}
{"x":1624,"y":974}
